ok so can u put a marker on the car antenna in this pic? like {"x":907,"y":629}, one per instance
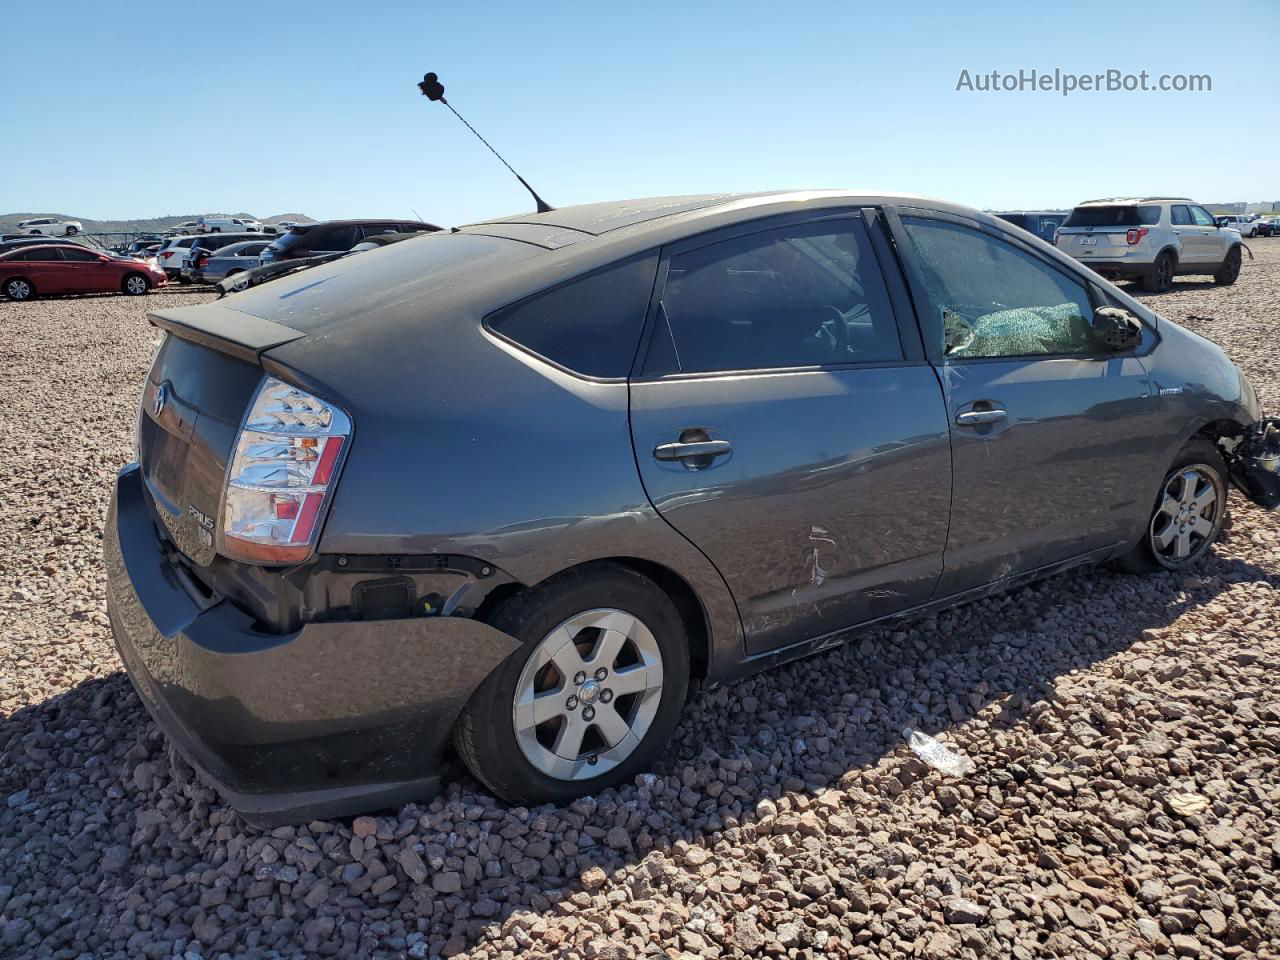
{"x":433,"y":89}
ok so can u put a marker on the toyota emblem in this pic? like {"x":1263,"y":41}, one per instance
{"x":159,"y":399}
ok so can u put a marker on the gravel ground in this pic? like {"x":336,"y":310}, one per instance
{"x":1126,"y":801}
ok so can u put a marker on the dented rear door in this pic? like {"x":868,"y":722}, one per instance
{"x":782,"y":425}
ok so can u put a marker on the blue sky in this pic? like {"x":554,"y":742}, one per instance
{"x":128,"y":110}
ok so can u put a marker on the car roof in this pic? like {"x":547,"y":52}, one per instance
{"x":328,"y":223}
{"x":1112,"y":201}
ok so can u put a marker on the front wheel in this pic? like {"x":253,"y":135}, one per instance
{"x":1229,"y":272}
{"x":590,"y":697}
{"x":135,"y":284}
{"x":1189,"y":513}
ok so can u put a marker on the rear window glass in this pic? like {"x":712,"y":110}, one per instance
{"x":1121,"y":215}
{"x":398,"y":276}
{"x":590,"y":325}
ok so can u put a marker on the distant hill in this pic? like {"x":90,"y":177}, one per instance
{"x":9,"y":221}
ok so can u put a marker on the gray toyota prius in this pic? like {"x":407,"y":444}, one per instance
{"x":516,"y":488}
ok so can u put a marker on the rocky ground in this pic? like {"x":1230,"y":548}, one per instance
{"x":1126,"y":799}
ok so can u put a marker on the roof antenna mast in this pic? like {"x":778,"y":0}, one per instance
{"x":433,"y":89}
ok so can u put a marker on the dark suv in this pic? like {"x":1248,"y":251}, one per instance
{"x":334,"y":236}
{"x":519,"y":486}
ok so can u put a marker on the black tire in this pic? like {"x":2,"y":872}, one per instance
{"x":1252,"y":233}
{"x":485,"y":734}
{"x":1144,"y":558}
{"x":1160,"y":278}
{"x":72,"y":231}
{"x":1229,"y":272}
{"x":185,"y":281}
{"x":19,"y":288}
{"x":131,"y":286}
{"x":239,"y":284}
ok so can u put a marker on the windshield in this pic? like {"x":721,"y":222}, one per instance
{"x":1120,"y":215}
{"x":288,"y":240}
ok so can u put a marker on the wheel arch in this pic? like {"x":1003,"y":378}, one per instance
{"x":689,"y":606}
{"x":19,"y":276}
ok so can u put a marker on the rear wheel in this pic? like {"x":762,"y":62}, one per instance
{"x":590,"y":697}
{"x":19,"y":288}
{"x":1229,"y":272}
{"x":241,"y":284}
{"x":72,"y":231}
{"x":1160,"y":278}
{"x":1189,"y":513}
{"x":135,"y":284}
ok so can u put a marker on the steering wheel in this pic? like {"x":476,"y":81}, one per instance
{"x":838,"y":329}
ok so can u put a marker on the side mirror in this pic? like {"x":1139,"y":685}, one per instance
{"x":1115,"y":329}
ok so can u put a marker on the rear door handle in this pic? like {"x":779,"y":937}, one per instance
{"x":974,"y":418}
{"x":697,"y":448}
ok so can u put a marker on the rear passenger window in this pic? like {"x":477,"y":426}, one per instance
{"x":590,"y":325}
{"x":808,"y":295}
{"x":1180,"y":216}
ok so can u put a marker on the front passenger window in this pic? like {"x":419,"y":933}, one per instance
{"x":991,"y":299}
{"x":1201,"y":217}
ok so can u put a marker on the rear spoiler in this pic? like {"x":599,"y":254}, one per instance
{"x":233,"y":332}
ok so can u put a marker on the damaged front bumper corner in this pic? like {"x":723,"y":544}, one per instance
{"x":333,"y":719}
{"x":1254,"y":462}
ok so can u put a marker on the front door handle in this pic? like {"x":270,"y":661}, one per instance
{"x":975,"y":418}
{"x":688,"y":450}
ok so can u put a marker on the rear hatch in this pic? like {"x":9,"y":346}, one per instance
{"x":1100,"y":232}
{"x":201,"y":383}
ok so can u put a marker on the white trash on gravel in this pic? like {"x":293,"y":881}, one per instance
{"x":937,"y":754}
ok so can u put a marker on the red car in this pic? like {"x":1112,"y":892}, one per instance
{"x":38,"y":269}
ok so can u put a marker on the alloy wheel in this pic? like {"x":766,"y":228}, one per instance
{"x":18,"y":289}
{"x":588,"y":694}
{"x":1187,"y":518}
{"x":136,"y":285}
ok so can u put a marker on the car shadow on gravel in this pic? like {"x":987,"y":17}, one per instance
{"x":99,"y":819}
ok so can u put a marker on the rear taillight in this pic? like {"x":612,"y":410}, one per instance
{"x":1135,"y":235}
{"x":166,"y":254}
{"x":286,"y":464}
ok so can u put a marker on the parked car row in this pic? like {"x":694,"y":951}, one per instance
{"x":208,"y":258}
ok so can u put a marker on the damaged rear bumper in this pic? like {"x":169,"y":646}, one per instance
{"x":333,"y":719}
{"x":1254,"y":463}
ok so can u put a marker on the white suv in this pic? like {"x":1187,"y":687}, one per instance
{"x":1247,"y":225}
{"x":1151,"y":239}
{"x":50,"y":227}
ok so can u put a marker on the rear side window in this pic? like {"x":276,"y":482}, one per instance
{"x":47,"y":253}
{"x":590,"y":325}
{"x":799,"y":296}
{"x":1180,"y":216}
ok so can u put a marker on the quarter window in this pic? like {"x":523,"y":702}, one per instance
{"x":808,"y":295}
{"x":590,"y":325}
{"x":991,"y":299}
